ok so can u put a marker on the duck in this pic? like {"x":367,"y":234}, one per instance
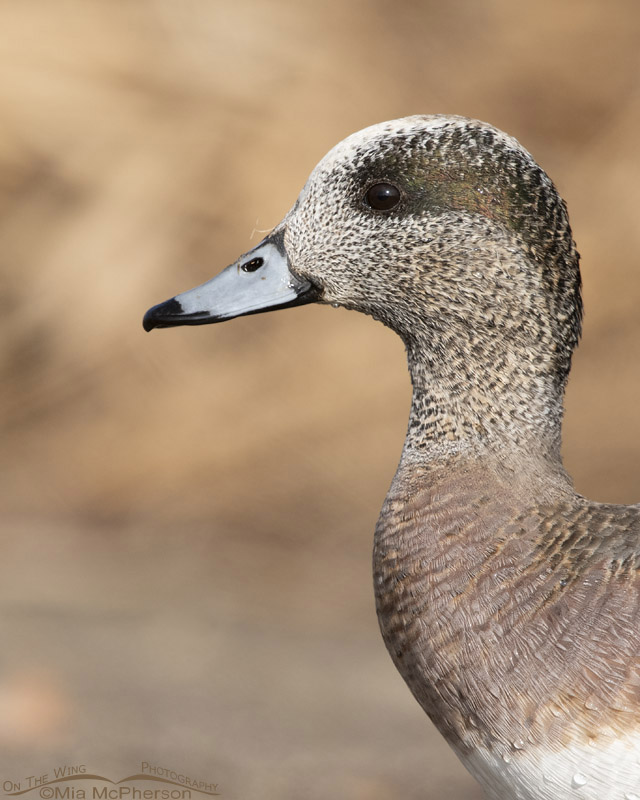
{"x":508,"y":602}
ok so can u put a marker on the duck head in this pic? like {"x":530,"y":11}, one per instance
{"x":447,"y":231}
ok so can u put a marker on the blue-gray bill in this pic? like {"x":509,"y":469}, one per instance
{"x":259,"y":281}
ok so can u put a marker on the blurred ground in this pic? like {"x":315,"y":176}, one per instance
{"x":187,"y":516}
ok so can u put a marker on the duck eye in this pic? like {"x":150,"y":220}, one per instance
{"x":253,"y":265}
{"x":382,"y":196}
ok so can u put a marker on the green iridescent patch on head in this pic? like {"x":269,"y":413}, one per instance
{"x":468,"y":171}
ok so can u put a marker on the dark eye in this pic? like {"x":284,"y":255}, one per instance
{"x":253,"y":265}
{"x":382,"y":196}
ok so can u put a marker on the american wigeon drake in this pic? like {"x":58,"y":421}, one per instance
{"x":509,"y":603}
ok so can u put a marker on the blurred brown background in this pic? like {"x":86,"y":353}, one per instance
{"x":187,"y":516}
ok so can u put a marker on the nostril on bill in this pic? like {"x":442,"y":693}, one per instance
{"x":253,"y":265}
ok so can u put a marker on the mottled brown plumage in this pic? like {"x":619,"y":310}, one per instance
{"x":509,"y":603}
{"x":513,"y":621}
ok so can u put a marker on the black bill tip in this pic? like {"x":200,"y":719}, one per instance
{"x":170,"y":314}
{"x":162,"y":315}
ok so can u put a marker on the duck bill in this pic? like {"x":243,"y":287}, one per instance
{"x":261,"y":280}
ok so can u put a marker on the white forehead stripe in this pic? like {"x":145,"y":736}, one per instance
{"x":369,"y":137}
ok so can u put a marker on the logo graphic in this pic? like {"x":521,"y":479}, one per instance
{"x":76,"y":783}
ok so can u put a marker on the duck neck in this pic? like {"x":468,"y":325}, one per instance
{"x":463,"y":406}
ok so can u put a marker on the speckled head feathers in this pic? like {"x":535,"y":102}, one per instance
{"x":470,"y":193}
